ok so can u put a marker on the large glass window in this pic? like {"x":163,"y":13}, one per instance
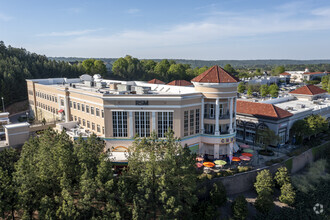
{"x":82,"y":107}
{"x":165,"y":121}
{"x":87,"y":109}
{"x":209,"y":128}
{"x":119,"y":126}
{"x":142,"y":124}
{"x":209,"y":111}
{"x":192,"y":122}
{"x":185,"y":123}
{"x":97,"y":111}
{"x":78,"y":106}
{"x":197,"y":121}
{"x":92,"y":110}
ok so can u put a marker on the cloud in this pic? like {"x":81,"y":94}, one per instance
{"x":208,"y":37}
{"x":4,"y":17}
{"x":69,"y":33}
{"x":133,"y":11}
{"x":321,"y":12}
{"x":76,"y":10}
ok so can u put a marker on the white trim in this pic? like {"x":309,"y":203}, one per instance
{"x":138,"y":110}
{"x":23,"y":132}
{"x":154,"y":97}
{"x":152,"y":106}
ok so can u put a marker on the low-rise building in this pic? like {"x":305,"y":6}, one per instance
{"x":202,"y":116}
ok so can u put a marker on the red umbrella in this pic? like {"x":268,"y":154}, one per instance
{"x":236,"y":159}
{"x":208,"y":164}
{"x":247,"y":154}
{"x":199,"y":158}
{"x":245,"y":158}
{"x":245,"y":146}
{"x":199,"y":165}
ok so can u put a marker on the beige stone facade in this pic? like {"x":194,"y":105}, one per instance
{"x":202,"y":116}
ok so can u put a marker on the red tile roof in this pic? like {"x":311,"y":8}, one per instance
{"x":261,"y":109}
{"x":179,"y":83}
{"x":308,"y":90}
{"x":156,"y":81}
{"x":215,"y":75}
{"x":285,"y":74}
{"x":312,"y":73}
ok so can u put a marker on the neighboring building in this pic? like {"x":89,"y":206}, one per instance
{"x":156,"y":81}
{"x":4,"y":120}
{"x":280,"y":114}
{"x":253,"y":117}
{"x":286,"y":77}
{"x":202,"y":116}
{"x":16,"y":134}
{"x":180,"y":83}
{"x":262,"y":80}
{"x":314,"y":75}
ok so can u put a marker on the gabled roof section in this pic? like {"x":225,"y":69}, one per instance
{"x":215,"y":75}
{"x":261,"y":110}
{"x":285,"y":74}
{"x":179,"y":83}
{"x":156,"y":81}
{"x":315,"y":73}
{"x":308,"y":90}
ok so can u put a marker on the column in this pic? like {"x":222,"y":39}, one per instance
{"x":130,"y":118}
{"x":216,"y":151}
{"x":235,"y":113}
{"x":202,"y":118}
{"x":153,"y":121}
{"x":217,"y":117}
{"x":231,"y":148}
{"x":231,"y":115}
{"x":66,"y":105}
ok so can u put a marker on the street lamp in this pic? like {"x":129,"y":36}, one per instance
{"x":27,"y":114}
{"x":3,"y":105}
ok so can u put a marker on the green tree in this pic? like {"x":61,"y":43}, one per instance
{"x":264,"y":90}
{"x":282,"y":176}
{"x":229,"y":69}
{"x":162,"y":68}
{"x":278,"y":70}
{"x":287,"y":194}
{"x":240,"y":208}
{"x":326,"y":83}
{"x":258,"y":72}
{"x":299,"y":129}
{"x":218,"y":194}
{"x":267,"y":137}
{"x":264,"y":182}
{"x":316,"y":124}
{"x":241,"y":87}
{"x":249,"y":92}
{"x":264,"y":202}
{"x":273,"y":90}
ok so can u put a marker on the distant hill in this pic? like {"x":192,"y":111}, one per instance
{"x":246,"y":64}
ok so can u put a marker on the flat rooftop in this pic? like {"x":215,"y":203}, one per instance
{"x":298,"y":106}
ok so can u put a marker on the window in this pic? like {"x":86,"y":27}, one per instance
{"x":62,"y":102}
{"x":185,"y":123}
{"x":79,"y":120}
{"x":93,"y":126}
{"x":82,"y":107}
{"x":97,"y":111}
{"x":74,"y":105}
{"x":209,"y":128}
{"x":192,"y":123}
{"x":87,"y":109}
{"x":56,"y":99}
{"x":75,"y":118}
{"x":88,"y":124}
{"x":221,"y":110}
{"x":165,"y":121}
{"x":119,"y":123}
{"x":53,"y":99}
{"x":102,"y":130}
{"x":98,"y":128}
{"x":142,"y":124}
{"x":197,"y":121}
{"x":70,"y":104}
{"x":78,"y":106}
{"x":84,"y":122}
{"x":92,"y":110}
{"x":209,"y":110}
{"x":102,"y":113}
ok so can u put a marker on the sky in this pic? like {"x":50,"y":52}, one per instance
{"x":181,"y":29}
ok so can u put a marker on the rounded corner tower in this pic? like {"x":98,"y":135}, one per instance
{"x":218,"y":127}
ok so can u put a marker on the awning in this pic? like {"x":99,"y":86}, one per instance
{"x":236,"y":148}
{"x":61,"y":110}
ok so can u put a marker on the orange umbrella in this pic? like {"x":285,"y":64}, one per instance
{"x":236,"y":159}
{"x":199,"y":158}
{"x":247,"y":154}
{"x":199,"y":165}
{"x":208,"y":164}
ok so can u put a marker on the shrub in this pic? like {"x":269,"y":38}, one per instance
{"x":282,"y":176}
{"x":240,"y":208}
{"x":287,"y":194}
{"x":218,"y":194}
{"x":205,"y":210}
{"x":242,"y":169}
{"x":264,"y":202}
{"x":264,"y":182}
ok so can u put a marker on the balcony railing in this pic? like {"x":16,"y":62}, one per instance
{"x":225,"y":116}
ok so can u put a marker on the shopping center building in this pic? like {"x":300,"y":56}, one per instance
{"x":202,"y":115}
